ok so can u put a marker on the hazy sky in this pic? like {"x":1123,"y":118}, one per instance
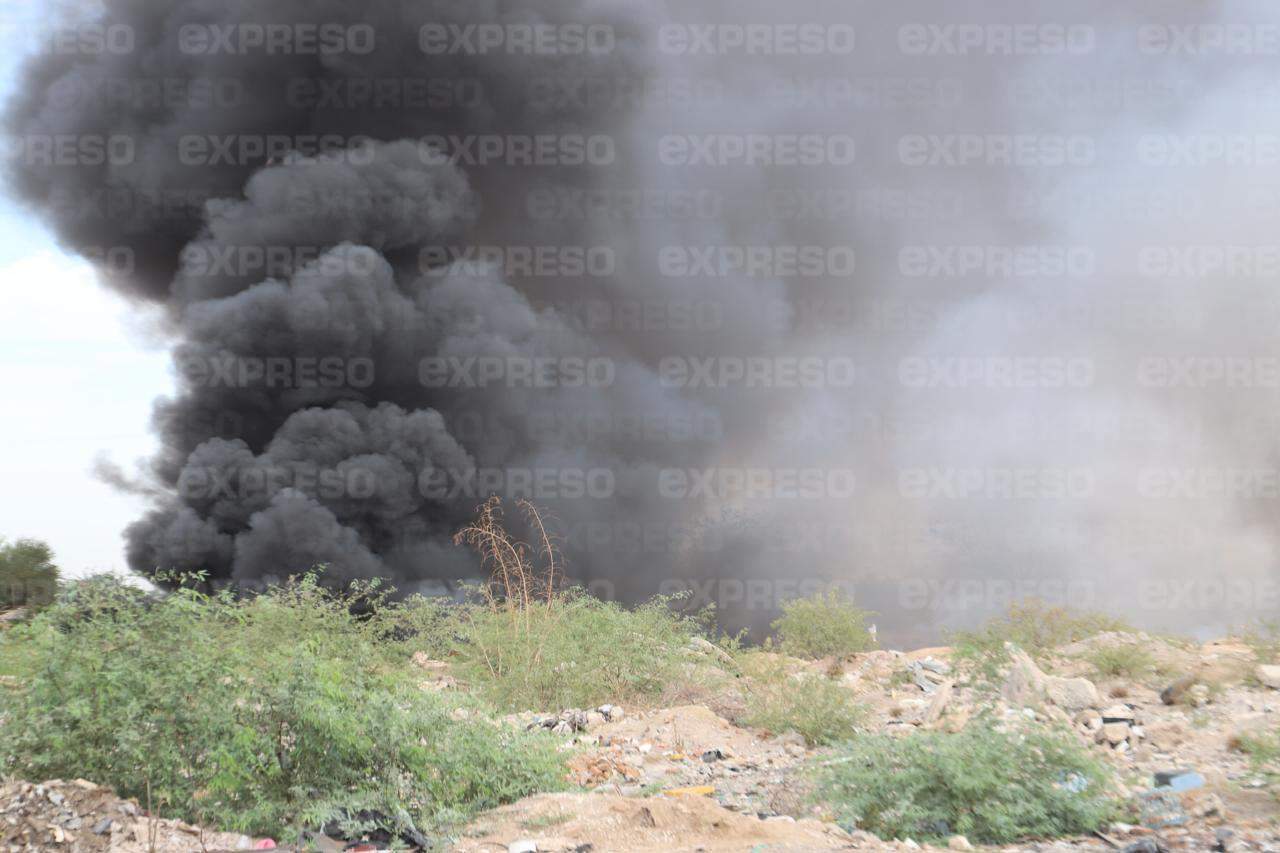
{"x":84,"y":386}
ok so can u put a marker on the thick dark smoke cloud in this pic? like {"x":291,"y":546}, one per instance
{"x":333,"y":258}
{"x":332,"y":299}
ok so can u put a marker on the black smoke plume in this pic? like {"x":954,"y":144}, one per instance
{"x":309,"y":231}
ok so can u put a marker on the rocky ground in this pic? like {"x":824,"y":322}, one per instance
{"x":685,"y":778}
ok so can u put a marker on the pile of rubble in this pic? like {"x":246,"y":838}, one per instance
{"x":569,"y":721}
{"x":83,"y":817}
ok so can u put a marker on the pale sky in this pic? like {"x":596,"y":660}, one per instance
{"x":76,"y":381}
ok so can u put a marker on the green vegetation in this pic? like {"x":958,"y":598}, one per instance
{"x":277,"y":710}
{"x":1263,"y":749}
{"x":992,"y":786}
{"x":285,"y":710}
{"x":823,"y":625}
{"x":526,"y":644}
{"x":1123,"y":660}
{"x":570,"y":651}
{"x":1032,"y":625}
{"x":1264,"y":638}
{"x":813,"y":706}
{"x":28,"y":576}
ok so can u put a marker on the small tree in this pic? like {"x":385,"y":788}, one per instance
{"x":28,"y":576}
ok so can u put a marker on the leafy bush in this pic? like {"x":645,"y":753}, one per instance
{"x":277,"y":710}
{"x":1032,"y":625}
{"x":528,"y":644}
{"x":823,"y":625}
{"x":1123,"y":660}
{"x":28,"y":576}
{"x":992,"y":786}
{"x":573,"y":651}
{"x":416,"y":624}
{"x":815,"y":707}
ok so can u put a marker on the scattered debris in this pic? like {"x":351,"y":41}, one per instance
{"x":691,"y":791}
{"x":727,"y":787}
{"x":83,"y":817}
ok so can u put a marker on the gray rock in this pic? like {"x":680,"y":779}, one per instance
{"x":933,"y":665}
{"x":938,"y":704}
{"x":1072,"y":694}
{"x":1268,"y":674}
{"x":705,"y":647}
{"x":1025,"y":683}
{"x":1119,"y":713}
{"x":1113,"y":733}
{"x":923,"y":681}
{"x":1177,"y":691}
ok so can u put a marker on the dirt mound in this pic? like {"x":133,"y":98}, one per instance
{"x":1218,"y":661}
{"x":599,"y":822}
{"x":82,"y":817}
{"x":690,"y":729}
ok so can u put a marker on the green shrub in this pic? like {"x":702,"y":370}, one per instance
{"x":813,"y":706}
{"x":1032,"y":625}
{"x":417,"y":624}
{"x":571,"y":651}
{"x":280,"y":710}
{"x":823,"y":625}
{"x":529,"y":645}
{"x":1264,"y":639}
{"x":1123,"y":660}
{"x":991,"y":786}
{"x":28,"y":576}
{"x":1263,"y":749}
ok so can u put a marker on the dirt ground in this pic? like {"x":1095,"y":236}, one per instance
{"x":685,"y":778}
{"x":598,"y":822}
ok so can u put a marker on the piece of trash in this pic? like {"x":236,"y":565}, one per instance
{"x":1160,"y":808}
{"x":264,"y":844}
{"x":1179,"y":780}
{"x":691,"y":791}
{"x":1075,"y":783}
{"x":712,"y":755}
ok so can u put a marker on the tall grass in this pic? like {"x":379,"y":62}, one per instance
{"x":530,"y":643}
{"x":820,"y":710}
